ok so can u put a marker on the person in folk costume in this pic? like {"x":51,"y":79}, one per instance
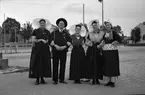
{"x":77,"y":55}
{"x":40,"y":61}
{"x":111,"y":55}
{"x":60,"y":43}
{"x":84,"y":78}
{"x":93,"y":54}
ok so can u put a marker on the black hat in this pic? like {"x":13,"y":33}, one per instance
{"x":61,"y":19}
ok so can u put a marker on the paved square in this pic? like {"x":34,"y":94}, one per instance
{"x":131,"y":81}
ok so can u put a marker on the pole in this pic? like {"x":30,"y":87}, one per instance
{"x":103,"y":12}
{"x":1,"y":31}
{"x":4,"y":35}
{"x":83,"y":13}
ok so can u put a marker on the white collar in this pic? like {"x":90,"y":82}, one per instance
{"x":60,"y":29}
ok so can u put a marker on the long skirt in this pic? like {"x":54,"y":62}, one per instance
{"x":94,"y":63}
{"x":40,"y":61}
{"x":77,"y":62}
{"x":111,"y":63}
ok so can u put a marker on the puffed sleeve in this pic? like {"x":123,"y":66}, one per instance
{"x":116,"y":37}
{"x":49,"y":37}
{"x":68,"y":37}
{"x":33,"y":33}
{"x":87,"y":36}
{"x":52,"y":36}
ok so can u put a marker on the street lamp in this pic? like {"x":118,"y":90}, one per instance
{"x":102,"y":1}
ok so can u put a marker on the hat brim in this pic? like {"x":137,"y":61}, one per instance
{"x":73,"y":31}
{"x":61,"y":19}
{"x":36,"y":24}
{"x":90,"y":28}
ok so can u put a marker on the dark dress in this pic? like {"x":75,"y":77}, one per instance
{"x":111,"y":57}
{"x":94,"y":61}
{"x":40,"y":61}
{"x":77,"y":59}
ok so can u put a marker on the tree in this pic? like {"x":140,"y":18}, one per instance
{"x":14,"y":37}
{"x":26,"y":31}
{"x":135,"y":34}
{"x":143,"y":38}
{"x":1,"y":29}
{"x":9,"y":24}
{"x":117,"y":29}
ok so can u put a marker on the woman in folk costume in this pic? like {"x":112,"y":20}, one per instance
{"x":111,"y":55}
{"x":93,"y":54}
{"x":40,"y":61}
{"x":77,"y":54}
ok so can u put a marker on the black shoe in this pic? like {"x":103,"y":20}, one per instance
{"x":43,"y":82}
{"x":108,"y":84}
{"x":55,"y":82}
{"x":112,"y":84}
{"x":93,"y":81}
{"x":77,"y":82}
{"x":63,"y":82}
{"x":85,"y":80}
{"x":97,"y":82}
{"x":37,"y":82}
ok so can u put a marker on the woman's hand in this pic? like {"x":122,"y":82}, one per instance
{"x":38,"y":40}
{"x":102,"y":43}
{"x":115,"y":43}
{"x":52,"y":43}
{"x":62,"y":47}
{"x":44,"y":41}
{"x":68,"y":43}
{"x":98,"y":46}
{"x":57,"y":47}
{"x":89,"y":43}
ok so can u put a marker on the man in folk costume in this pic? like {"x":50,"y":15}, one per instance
{"x":61,"y":41}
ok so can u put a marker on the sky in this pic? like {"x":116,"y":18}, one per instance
{"x":126,"y":13}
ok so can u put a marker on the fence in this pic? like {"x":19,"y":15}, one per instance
{"x":15,"y":48}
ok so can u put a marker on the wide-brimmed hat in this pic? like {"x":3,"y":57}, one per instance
{"x":61,"y":19}
{"x":73,"y":31}
{"x":105,"y":22}
{"x":90,"y":28}
{"x":36,"y":23}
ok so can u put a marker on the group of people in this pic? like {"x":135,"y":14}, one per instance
{"x":99,"y":62}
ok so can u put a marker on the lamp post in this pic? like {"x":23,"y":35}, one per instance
{"x":83,"y":13}
{"x":102,"y":1}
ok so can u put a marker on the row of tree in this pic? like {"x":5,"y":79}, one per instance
{"x":136,"y":34}
{"x":13,"y":27}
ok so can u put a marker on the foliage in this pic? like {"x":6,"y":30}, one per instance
{"x":1,"y":29}
{"x":135,"y":35}
{"x":26,"y":31}
{"x":143,"y":38}
{"x":9,"y":25}
{"x":117,"y":29}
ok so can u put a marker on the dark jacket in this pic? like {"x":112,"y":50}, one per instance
{"x":60,"y":39}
